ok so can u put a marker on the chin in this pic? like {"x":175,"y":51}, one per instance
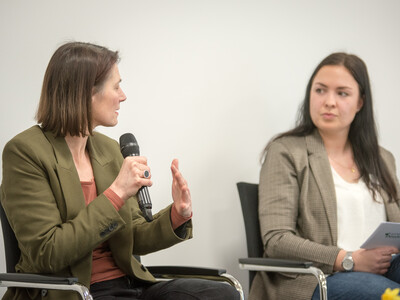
{"x":109,"y":124}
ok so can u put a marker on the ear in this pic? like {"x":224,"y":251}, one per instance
{"x":360,"y":103}
{"x":94,"y":94}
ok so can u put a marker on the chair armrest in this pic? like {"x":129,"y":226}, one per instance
{"x":44,"y":282}
{"x":272,"y":262}
{"x":289,"y":266}
{"x":36,"y":278}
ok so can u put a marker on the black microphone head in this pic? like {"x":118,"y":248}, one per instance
{"x":128,"y":145}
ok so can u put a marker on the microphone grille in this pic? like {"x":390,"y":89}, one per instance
{"x":128,"y":145}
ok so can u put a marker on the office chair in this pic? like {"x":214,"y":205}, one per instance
{"x":248,"y":194}
{"x":23,"y":280}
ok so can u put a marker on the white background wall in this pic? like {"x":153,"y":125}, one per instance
{"x":209,"y":82}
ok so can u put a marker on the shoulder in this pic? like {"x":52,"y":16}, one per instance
{"x":296,"y":151}
{"x":388,"y":158}
{"x":310,"y":144}
{"x":28,"y":135}
{"x":28,"y":150}
{"x":291,"y":141}
{"x":290,"y":145}
{"x":284,"y":153}
{"x":27,"y":140}
{"x":386,"y":154}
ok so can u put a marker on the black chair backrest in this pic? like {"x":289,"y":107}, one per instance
{"x":248,"y":194}
{"x":12,"y":251}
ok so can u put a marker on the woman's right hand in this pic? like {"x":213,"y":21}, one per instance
{"x":131,"y":177}
{"x":375,"y":260}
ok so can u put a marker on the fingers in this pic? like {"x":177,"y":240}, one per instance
{"x":138,"y":159}
{"x":383,"y":267}
{"x":175,"y":163}
{"x":134,"y":174}
{"x":179,"y":184}
{"x":176,"y":174}
{"x":138,"y":166}
{"x":391,"y":250}
{"x":138,"y":170}
{"x":375,"y":260}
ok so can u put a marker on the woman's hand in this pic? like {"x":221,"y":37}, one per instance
{"x":131,"y":177}
{"x":180,"y":192}
{"x":374,"y":260}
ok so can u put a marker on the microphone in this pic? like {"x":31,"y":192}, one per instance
{"x":130,"y":147}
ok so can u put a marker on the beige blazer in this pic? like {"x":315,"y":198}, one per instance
{"x":297,"y":211}
{"x":43,"y":199}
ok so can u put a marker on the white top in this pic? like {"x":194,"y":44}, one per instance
{"x":358,"y":215}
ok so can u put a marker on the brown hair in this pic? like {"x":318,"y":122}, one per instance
{"x":75,"y":72}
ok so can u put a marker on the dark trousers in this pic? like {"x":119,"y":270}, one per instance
{"x":125,"y":288}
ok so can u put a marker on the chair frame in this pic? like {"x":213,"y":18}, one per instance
{"x":248,"y":194}
{"x":44,"y":282}
{"x":38,"y":281}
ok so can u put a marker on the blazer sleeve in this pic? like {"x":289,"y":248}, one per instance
{"x":157,"y":234}
{"x":285,"y":220}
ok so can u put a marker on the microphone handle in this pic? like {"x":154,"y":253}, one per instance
{"x":145,"y":203}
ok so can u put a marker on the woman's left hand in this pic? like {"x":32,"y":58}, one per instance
{"x":180,"y":192}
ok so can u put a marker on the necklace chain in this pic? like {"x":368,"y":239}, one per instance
{"x":352,"y":168}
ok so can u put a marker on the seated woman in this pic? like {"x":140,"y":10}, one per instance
{"x":70,"y":197}
{"x":324,"y":187}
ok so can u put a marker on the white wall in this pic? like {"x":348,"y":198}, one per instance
{"x":209,"y":82}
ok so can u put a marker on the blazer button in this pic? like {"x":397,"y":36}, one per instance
{"x":112,"y":226}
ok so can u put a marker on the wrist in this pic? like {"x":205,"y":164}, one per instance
{"x":115,"y":200}
{"x":338,"y":262}
{"x":348,"y":262}
{"x":118,"y":192}
{"x":177,"y":219}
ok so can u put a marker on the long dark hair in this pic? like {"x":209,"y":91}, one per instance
{"x":363,"y":133}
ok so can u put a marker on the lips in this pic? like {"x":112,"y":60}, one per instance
{"x":328,"y":115}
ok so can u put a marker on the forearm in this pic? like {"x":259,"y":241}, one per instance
{"x":287,"y":245}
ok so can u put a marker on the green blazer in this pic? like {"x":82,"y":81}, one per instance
{"x":43,"y":199}
{"x":297,"y":211}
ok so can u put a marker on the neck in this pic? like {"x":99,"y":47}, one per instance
{"x":340,"y":154}
{"x":77,"y":146}
{"x":336,"y":144}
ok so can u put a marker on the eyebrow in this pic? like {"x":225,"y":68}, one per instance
{"x":340,"y":87}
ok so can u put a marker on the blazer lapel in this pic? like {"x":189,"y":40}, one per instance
{"x":320,"y":168}
{"x":68,"y":177}
{"x":105,"y":166}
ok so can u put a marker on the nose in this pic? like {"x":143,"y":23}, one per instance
{"x":330,"y":100}
{"x":122,"y":97}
